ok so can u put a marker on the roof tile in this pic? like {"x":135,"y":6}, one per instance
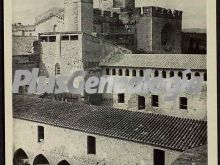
{"x":167,"y":61}
{"x":162,"y":131}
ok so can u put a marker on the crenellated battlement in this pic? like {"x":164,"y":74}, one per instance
{"x":105,"y":16}
{"x":105,"y":13}
{"x":156,"y":12}
{"x":97,"y":12}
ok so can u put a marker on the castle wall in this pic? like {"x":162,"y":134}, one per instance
{"x":71,"y":146}
{"x":158,"y":30}
{"x":144,"y":34}
{"x":146,"y":27}
{"x":107,"y":22}
{"x":157,"y":26}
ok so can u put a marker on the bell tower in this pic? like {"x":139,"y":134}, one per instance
{"x":78,"y":15}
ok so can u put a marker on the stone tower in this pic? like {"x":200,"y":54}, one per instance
{"x":158,"y":30}
{"x":78,"y":15}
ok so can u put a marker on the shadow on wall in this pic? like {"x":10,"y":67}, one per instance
{"x":42,"y":66}
{"x":194,"y":43}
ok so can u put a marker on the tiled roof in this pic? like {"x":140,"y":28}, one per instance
{"x":151,"y":129}
{"x":197,"y":155}
{"x":178,"y":61}
{"x":22,"y":45}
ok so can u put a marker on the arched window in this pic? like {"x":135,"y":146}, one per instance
{"x":164,"y":75}
{"x":156,"y":73}
{"x":57,"y":69}
{"x":180,"y":74}
{"x":20,"y":156}
{"x":134,"y":73}
{"x":141,"y":73}
{"x":120,"y":72}
{"x":205,"y":76}
{"x":54,"y":28}
{"x":113,"y":72}
{"x":63,"y":162}
{"x":40,"y":159}
{"x":127,"y":72}
{"x":171,"y":74}
{"x":189,"y":76}
{"x":107,"y":71}
{"x":197,"y":74}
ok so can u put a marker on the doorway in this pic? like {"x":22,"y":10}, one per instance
{"x":141,"y":102}
{"x":159,"y":157}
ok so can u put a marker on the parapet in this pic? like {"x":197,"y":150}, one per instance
{"x":157,"y":12}
{"x":105,"y":16}
{"x":97,"y":12}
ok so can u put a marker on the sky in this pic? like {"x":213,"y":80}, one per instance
{"x":194,"y":11}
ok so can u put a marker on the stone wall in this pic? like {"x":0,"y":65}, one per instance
{"x":157,"y":27}
{"x":150,"y":23}
{"x":146,"y":24}
{"x":144,"y":34}
{"x":68,"y":54}
{"x":65,"y":144}
{"x":196,"y":108}
{"x":72,"y":55}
